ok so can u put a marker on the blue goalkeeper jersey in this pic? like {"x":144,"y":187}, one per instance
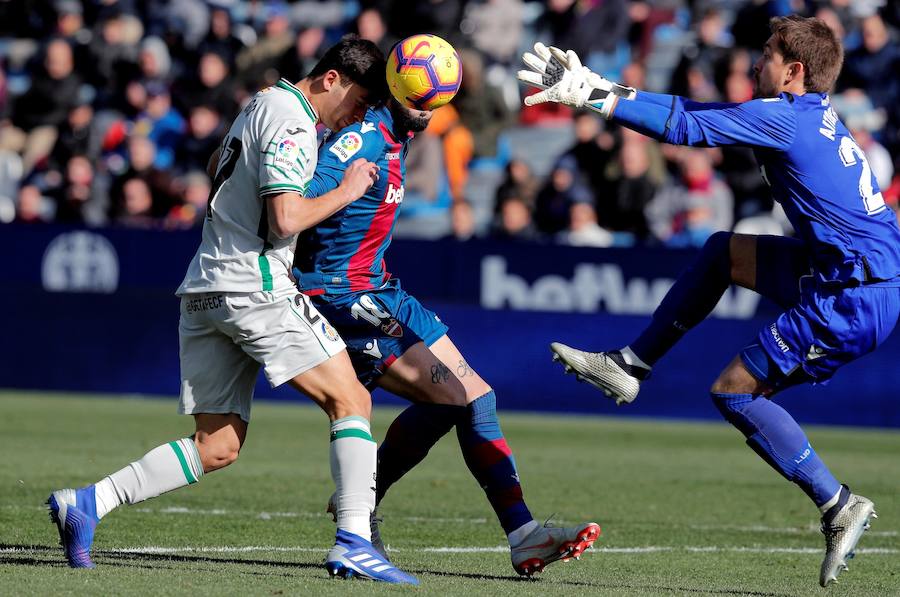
{"x":809,"y":159}
{"x":345,"y":253}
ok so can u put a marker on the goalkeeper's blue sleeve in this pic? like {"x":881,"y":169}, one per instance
{"x":765,"y":123}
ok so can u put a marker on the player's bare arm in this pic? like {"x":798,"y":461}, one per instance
{"x":291,"y":213}
{"x":213,"y":162}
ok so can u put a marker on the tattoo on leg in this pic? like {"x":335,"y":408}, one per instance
{"x":439,"y":373}
{"x":463,"y":369}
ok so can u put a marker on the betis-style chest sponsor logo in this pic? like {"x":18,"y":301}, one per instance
{"x":347,"y":145}
{"x":394,"y":195}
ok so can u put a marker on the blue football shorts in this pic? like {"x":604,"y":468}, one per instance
{"x":379,"y":326}
{"x":824,"y":327}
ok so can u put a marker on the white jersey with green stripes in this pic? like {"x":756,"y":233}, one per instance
{"x":270,"y":149}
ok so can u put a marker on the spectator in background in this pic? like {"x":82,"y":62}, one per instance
{"x":874,"y":66}
{"x":141,"y":159}
{"x":481,"y":107}
{"x":519,"y":181}
{"x":458,"y":145}
{"x":302,"y":56}
{"x":70,"y":27}
{"x":593,"y":149}
{"x":134,"y":209}
{"x":687,"y":214}
{"x":154,"y":61}
{"x":39,"y":112}
{"x":583,"y":230}
{"x":113,"y":60}
{"x":424,"y":169}
{"x":190,"y":210}
{"x":621,"y":202}
{"x":564,"y":187}
{"x":32,"y":207}
{"x":738,"y":165}
{"x":697,"y":72}
{"x":205,"y":132}
{"x":221,"y":38}
{"x":462,"y":221}
{"x":514,"y":220}
{"x":78,"y":199}
{"x":495,"y":29}
{"x":161,"y":123}
{"x":209,"y":85}
{"x":77,"y":135}
{"x":257,"y":66}
{"x":370,"y":25}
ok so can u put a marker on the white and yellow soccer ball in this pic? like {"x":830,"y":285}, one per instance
{"x":423,"y":72}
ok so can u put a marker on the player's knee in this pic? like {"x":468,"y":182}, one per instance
{"x":730,"y":405}
{"x":217,"y":453}
{"x":716,"y":252}
{"x":347,"y":400}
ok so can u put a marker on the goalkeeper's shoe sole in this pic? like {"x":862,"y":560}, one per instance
{"x":74,"y":512}
{"x":843,"y":527}
{"x":605,"y":371}
{"x":354,"y":557}
{"x":546,"y":545}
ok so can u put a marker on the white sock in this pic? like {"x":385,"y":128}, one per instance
{"x":162,"y":469}
{"x":632,"y":359}
{"x":518,"y":535}
{"x":834,"y":500}
{"x":354,"y":455}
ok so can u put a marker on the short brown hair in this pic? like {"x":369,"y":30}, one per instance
{"x":810,"y":42}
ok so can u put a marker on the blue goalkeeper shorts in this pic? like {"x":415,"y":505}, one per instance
{"x":824,"y":326}
{"x":379,"y":326}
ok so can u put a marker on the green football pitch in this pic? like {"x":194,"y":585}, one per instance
{"x":686,"y":508}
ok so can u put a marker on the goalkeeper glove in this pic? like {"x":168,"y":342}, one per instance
{"x":564,"y":80}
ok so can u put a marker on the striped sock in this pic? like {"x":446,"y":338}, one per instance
{"x":353,"y":462}
{"x":489,"y":458}
{"x":162,"y":469}
{"x":410,"y":437}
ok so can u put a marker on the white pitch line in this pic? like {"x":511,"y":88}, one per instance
{"x":811,"y":530}
{"x":156,"y":549}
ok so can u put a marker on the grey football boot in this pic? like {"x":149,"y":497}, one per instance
{"x":606,"y":371}
{"x":374,"y":521}
{"x":843,"y":524}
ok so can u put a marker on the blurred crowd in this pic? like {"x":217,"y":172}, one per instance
{"x":110,"y":109}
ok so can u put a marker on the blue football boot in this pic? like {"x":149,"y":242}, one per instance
{"x":354,"y":556}
{"x":75,"y":513}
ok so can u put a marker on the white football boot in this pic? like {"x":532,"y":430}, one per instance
{"x":606,"y":371}
{"x":547,"y":544}
{"x":842,"y":526}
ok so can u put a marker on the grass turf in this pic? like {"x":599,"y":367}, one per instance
{"x":686,"y":509}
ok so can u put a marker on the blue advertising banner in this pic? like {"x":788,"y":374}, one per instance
{"x":94,"y":310}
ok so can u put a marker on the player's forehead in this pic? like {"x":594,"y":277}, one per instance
{"x":771,"y":47}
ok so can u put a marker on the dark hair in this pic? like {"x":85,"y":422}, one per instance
{"x":358,"y":61}
{"x":810,"y":42}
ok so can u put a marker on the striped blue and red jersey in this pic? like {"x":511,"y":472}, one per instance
{"x":345,"y":253}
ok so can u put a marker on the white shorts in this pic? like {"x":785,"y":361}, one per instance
{"x":224,"y":337}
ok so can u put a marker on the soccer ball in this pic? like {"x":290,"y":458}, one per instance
{"x":423,"y":72}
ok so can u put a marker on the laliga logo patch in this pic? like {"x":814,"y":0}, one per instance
{"x":346,"y":145}
{"x":287,"y":151}
{"x":392,"y":328}
{"x":329,"y":332}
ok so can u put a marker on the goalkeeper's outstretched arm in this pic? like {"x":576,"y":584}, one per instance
{"x":768,"y":123}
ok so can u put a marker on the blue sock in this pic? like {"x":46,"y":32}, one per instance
{"x":492,"y":464}
{"x":693,"y":296}
{"x":779,"y":440}
{"x":409,"y":438}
